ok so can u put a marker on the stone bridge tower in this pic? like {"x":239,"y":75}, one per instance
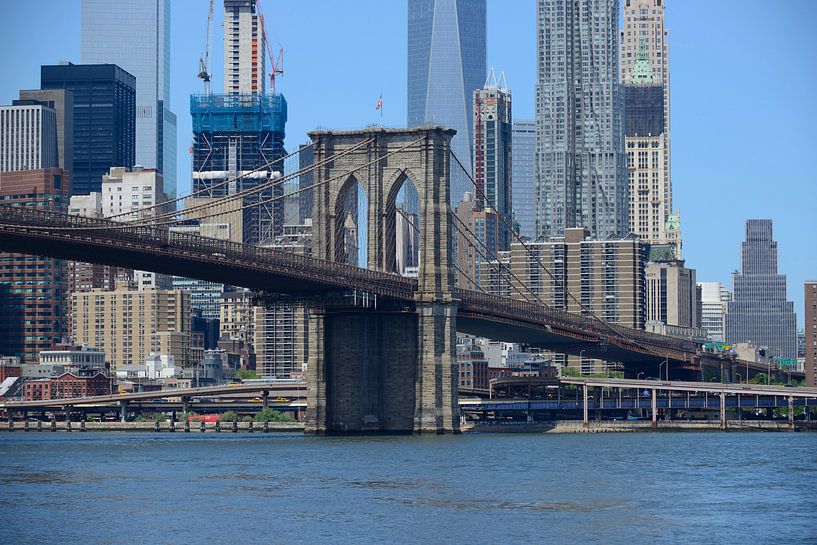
{"x":384,"y":368}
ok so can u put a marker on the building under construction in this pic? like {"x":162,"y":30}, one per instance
{"x":240,"y":134}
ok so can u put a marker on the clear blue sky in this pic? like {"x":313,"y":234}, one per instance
{"x":743,"y":83}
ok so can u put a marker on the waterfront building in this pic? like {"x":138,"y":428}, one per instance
{"x":492,"y":154}
{"x":62,"y":102}
{"x":73,"y":357}
{"x":104,"y":119}
{"x":129,"y":324}
{"x":580,"y":169}
{"x":672,"y":295}
{"x":281,"y":332}
{"x":523,"y":150}
{"x":714,"y":297}
{"x":68,"y":385}
{"x":472,"y":364}
{"x":759,"y":311}
{"x":810,"y":336}
{"x":237,"y":315}
{"x":445,"y":65}
{"x":645,"y":78}
{"x":33,"y":288}
{"x":601,"y":278}
{"x":205,"y":296}
{"x":135,"y":35}
{"x":237,"y":327}
{"x":83,"y":276}
{"x":28,"y":137}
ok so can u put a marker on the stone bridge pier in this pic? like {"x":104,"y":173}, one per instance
{"x":385,"y":369}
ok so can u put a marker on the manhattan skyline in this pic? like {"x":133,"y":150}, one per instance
{"x":734,"y":153}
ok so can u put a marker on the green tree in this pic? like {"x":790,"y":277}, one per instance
{"x":271,"y":415}
{"x":246,"y":374}
{"x":230,"y":416}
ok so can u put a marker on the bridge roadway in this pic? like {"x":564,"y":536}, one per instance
{"x":653,"y":396}
{"x":158,"y":249}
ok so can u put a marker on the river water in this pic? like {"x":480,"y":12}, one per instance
{"x":134,"y":488}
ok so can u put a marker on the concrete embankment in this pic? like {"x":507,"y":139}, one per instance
{"x":161,"y":427}
{"x":576,"y":426}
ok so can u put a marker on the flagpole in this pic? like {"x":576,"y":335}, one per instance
{"x":381,"y":110}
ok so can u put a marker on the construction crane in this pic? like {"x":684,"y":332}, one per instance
{"x":204,"y":59}
{"x":276,"y":63}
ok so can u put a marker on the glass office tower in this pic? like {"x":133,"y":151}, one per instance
{"x":135,"y":34}
{"x":523,"y":147}
{"x":759,"y":311}
{"x":446,"y":64}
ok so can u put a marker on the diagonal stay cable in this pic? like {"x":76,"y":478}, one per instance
{"x":562,"y":283}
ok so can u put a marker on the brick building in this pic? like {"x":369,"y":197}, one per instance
{"x":811,"y":333}
{"x":34,"y":287}
{"x":67,"y":385}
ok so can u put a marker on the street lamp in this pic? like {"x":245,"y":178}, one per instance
{"x":665,"y":362}
{"x":638,"y":376}
{"x":740,"y":378}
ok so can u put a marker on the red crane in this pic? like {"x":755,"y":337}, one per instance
{"x":276,"y":63}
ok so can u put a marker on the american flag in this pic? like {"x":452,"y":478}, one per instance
{"x":379,"y":103}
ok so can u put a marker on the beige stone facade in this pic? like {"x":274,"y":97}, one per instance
{"x":128,"y":324}
{"x":645,"y":63}
{"x":604,"y":278}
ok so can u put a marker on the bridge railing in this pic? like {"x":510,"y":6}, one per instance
{"x":515,"y":309}
{"x":149,"y":237}
{"x":344,"y":276}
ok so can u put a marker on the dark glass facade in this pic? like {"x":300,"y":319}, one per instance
{"x":643,"y":110}
{"x":759,"y":311}
{"x":104,"y":133}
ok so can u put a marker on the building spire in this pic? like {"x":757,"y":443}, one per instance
{"x":642,"y":69}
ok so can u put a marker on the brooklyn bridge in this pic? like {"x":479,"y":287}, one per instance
{"x":382,"y":346}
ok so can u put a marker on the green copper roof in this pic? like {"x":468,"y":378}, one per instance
{"x":673,"y":222}
{"x":642,"y":69}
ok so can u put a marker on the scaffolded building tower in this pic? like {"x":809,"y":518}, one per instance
{"x":239,"y":136}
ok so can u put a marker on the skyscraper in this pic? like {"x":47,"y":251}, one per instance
{"x":446,"y":64}
{"x":810,"y":331}
{"x":62,"y":101}
{"x":241,"y":133}
{"x":104,"y":119}
{"x":135,"y":34}
{"x":33,"y":288}
{"x":28,"y":136}
{"x":759,"y":311}
{"x":645,"y":77}
{"x":580,"y":169}
{"x":523,"y":148}
{"x":492,"y":153}
{"x":714,"y":297}
{"x":243,"y":48}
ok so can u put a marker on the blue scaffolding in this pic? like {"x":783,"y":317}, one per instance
{"x":242,"y":113}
